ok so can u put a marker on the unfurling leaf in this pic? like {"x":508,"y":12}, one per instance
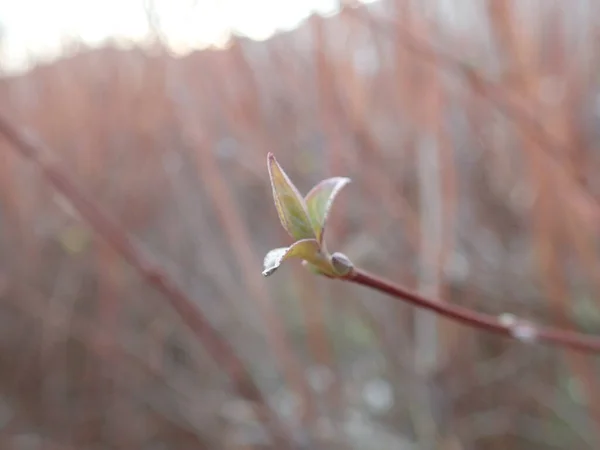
{"x":319,"y":201}
{"x":289,"y":203}
{"x":314,"y":269}
{"x":306,"y":249}
{"x":305,"y":219}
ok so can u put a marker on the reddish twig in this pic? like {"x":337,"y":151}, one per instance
{"x":109,"y":230}
{"x":505,"y":99}
{"x":505,"y":324}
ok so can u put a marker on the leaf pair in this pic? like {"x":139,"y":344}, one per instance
{"x":304,"y":219}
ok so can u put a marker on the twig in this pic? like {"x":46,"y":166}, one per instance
{"x":505,"y":324}
{"x":109,"y":230}
{"x":505,"y":99}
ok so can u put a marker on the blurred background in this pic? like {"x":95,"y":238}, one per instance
{"x":469,"y":129}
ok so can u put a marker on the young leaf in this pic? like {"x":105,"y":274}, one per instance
{"x":307,"y":249}
{"x":319,"y":201}
{"x":317,"y":271}
{"x":289,"y":203}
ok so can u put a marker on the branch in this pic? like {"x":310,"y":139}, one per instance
{"x":506,"y":324}
{"x":108,"y":229}
{"x":305,"y":218}
{"x":503,"y":98}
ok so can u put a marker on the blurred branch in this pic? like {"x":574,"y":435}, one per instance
{"x":505,"y":325}
{"x":506,"y":100}
{"x":108,"y":229}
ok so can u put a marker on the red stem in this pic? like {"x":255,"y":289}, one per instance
{"x":517,"y":329}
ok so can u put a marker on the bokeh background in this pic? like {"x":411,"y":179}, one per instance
{"x":469,"y":129}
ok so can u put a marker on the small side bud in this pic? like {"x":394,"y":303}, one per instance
{"x":525,"y":332}
{"x":341,"y":264}
{"x":520,"y":329}
{"x":507,"y":320}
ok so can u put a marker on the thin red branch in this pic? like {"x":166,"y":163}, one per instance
{"x":505,"y":99}
{"x":505,"y":325}
{"x":110,"y":231}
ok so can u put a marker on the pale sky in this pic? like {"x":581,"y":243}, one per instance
{"x":37,"y":27}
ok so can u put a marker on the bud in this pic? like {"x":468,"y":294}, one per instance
{"x":341,"y":264}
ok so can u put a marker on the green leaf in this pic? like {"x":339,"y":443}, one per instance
{"x":337,"y":265}
{"x":306,"y":249}
{"x":319,"y":201}
{"x":289,"y":203}
{"x":315,"y":270}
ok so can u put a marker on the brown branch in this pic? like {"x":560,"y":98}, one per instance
{"x":505,"y":325}
{"x":505,"y":99}
{"x":109,"y":230}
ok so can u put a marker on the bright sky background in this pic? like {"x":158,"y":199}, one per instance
{"x":38,"y":27}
